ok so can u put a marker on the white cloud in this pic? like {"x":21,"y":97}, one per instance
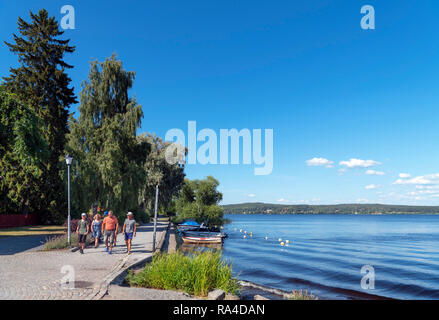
{"x":371,"y":186}
{"x":404,"y":175}
{"x":374,"y":172}
{"x":427,"y":187}
{"x":251,"y":195}
{"x":362,"y":200}
{"x":283,"y":200}
{"x":420,"y":180}
{"x":320,"y":162}
{"x":358,"y":163}
{"x":423,"y":191}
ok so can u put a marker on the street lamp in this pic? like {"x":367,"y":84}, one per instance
{"x":155,"y":216}
{"x":69,"y":162}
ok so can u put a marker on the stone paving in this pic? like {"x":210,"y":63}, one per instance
{"x":38,"y":275}
{"x":116,"y":292}
{"x":13,"y":245}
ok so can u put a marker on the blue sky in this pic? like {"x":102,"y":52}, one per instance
{"x":305,"y":69}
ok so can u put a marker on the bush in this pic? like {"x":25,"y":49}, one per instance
{"x":141,"y":216}
{"x":60,"y":242}
{"x":196,"y":275}
{"x":177,"y":219}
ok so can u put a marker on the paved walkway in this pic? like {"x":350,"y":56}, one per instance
{"x":117,"y":292}
{"x":38,"y":275}
{"x":17,"y":244}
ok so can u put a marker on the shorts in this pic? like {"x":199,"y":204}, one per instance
{"x":82,"y":238}
{"x":128,"y":236}
{"x":109,"y":234}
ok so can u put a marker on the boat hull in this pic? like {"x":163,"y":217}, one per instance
{"x":202,"y":240}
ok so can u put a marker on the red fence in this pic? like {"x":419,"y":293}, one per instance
{"x":17,"y":220}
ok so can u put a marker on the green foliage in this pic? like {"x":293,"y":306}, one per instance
{"x":22,"y":152}
{"x":198,"y":200}
{"x":112,"y":167}
{"x":169,"y":177}
{"x":61,"y":242}
{"x":267,"y":208}
{"x":109,"y":160}
{"x":196,"y":275}
{"x":141,"y":216}
{"x":42,"y":84}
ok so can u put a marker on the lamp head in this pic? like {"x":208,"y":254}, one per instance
{"x":69,"y":159}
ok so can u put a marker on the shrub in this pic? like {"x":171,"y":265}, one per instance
{"x":60,"y":242}
{"x":197,"y":274}
{"x":140,"y":215}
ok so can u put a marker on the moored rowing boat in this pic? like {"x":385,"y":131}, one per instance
{"x":202,"y":239}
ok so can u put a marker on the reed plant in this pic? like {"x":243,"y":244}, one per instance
{"x":196,"y":274}
{"x":301,"y":295}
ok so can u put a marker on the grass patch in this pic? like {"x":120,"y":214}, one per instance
{"x":197,"y":274}
{"x":32,"y":231}
{"x":60,"y":242}
{"x":301,"y":295}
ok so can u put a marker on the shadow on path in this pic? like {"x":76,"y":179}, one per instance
{"x":17,"y":244}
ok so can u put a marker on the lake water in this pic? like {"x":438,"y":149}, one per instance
{"x":327,"y":252}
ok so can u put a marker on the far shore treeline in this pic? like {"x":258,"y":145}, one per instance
{"x":113,"y":168}
{"x":267,"y":208}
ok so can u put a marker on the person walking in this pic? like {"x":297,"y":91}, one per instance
{"x":110,"y":227}
{"x":82,"y":231}
{"x":129,"y":230}
{"x":102,"y":233}
{"x":96,"y":229}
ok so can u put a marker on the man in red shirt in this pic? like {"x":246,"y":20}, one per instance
{"x":110,"y":227}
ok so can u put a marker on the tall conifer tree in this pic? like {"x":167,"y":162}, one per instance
{"x":42,"y":83}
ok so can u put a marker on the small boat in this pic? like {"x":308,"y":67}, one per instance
{"x":193,"y":247}
{"x":202,"y":237}
{"x":188,"y":225}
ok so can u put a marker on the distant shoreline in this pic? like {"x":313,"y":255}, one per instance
{"x":338,"y":209}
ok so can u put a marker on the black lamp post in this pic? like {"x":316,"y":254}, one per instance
{"x":69,"y":162}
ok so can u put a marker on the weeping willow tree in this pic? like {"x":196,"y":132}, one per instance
{"x":169,"y":176}
{"x":109,"y":159}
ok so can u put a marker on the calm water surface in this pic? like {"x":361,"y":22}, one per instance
{"x":326,"y":253}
